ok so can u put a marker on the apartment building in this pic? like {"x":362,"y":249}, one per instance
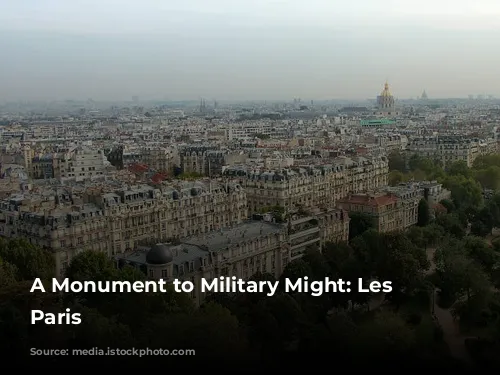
{"x":242,"y":251}
{"x":113,"y":221}
{"x":251,"y":129}
{"x":447,"y":149}
{"x":255,"y":246}
{"x":434,"y":193}
{"x":208,"y":160}
{"x":386,"y":210}
{"x":311,"y":186}
{"x":303,"y":235}
{"x":78,"y":162}
{"x":409,"y":197}
{"x":333,"y":224}
{"x":161,"y":159}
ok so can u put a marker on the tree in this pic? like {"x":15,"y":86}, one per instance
{"x":433,"y":233}
{"x":387,"y":333}
{"x":17,"y":333}
{"x":339,"y":256}
{"x":451,"y":224}
{"x":483,"y":222}
{"x":459,"y":168}
{"x":367,"y":248}
{"x":31,"y":261}
{"x":8,"y":273}
{"x":465,"y":192}
{"x":317,"y":263}
{"x":431,"y":169}
{"x":359,"y":223}
{"x":478,"y":249}
{"x":91,"y":265}
{"x":189,"y":176}
{"x":401,"y":262}
{"x":494,"y":211}
{"x":423,"y":213}
{"x":417,"y":235}
{"x":414,"y":162}
{"x":391,"y":256}
{"x":489,"y":177}
{"x":458,"y":275}
{"x":98,"y":330}
{"x":396,"y":162}
{"x":212,"y":331}
{"x":449,"y":205}
{"x":485,"y":161}
{"x":395,"y":178}
{"x":295,"y":270}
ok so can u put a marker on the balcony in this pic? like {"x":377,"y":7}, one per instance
{"x":304,"y":233}
{"x":304,"y":244}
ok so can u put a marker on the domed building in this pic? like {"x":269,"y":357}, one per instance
{"x":386,"y":103}
{"x":159,"y":254}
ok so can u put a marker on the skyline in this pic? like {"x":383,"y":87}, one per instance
{"x":269,"y":50}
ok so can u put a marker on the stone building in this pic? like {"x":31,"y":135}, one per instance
{"x":208,"y":160}
{"x":311,"y":186}
{"x":385,"y":209}
{"x":161,"y":159}
{"x":333,"y":224}
{"x":409,"y":196}
{"x":79,"y":163}
{"x":445,"y":149}
{"x":118,"y":220}
{"x":386,"y":105}
{"x":242,"y":251}
{"x":193,"y":158}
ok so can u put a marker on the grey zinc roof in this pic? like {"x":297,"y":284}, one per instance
{"x":220,"y":240}
{"x":185,"y":253}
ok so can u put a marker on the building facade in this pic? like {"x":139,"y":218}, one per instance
{"x":386,"y":211}
{"x":119,"y":220}
{"x":448,"y":149}
{"x":246,"y":249}
{"x":309,"y":187}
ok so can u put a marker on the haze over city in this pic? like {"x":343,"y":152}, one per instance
{"x":317,"y":49}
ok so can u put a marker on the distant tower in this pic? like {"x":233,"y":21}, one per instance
{"x":424,"y":96}
{"x":385,"y":101}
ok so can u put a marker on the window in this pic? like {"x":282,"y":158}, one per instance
{"x":164,"y":274}
{"x":151,"y":273}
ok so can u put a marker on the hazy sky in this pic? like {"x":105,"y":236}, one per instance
{"x":252,"y":49}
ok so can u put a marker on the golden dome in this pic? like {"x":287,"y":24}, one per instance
{"x":386,"y":91}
